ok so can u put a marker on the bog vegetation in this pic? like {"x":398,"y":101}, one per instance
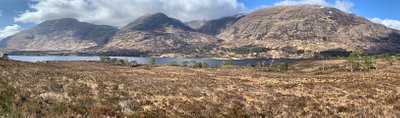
{"x":340,"y":88}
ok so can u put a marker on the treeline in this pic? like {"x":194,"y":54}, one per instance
{"x":246,"y":49}
{"x":360,"y":60}
{"x":118,"y":61}
{"x":4,"y":56}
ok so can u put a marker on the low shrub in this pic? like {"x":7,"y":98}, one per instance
{"x":174,"y":63}
{"x":205,"y":65}
{"x":228,"y":62}
{"x":389,"y":59}
{"x":280,"y":66}
{"x":328,"y":67}
{"x":152,"y":61}
{"x":185,"y":64}
{"x":6,"y":98}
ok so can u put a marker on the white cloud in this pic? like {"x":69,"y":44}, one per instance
{"x":9,"y":30}
{"x":1,"y":13}
{"x":121,"y":12}
{"x":395,"y":24}
{"x":342,"y":5}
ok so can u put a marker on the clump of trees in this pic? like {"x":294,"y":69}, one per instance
{"x":118,"y":61}
{"x":334,"y":53}
{"x":246,"y":49}
{"x":174,"y":63}
{"x":358,"y":60}
{"x":192,"y":64}
{"x":4,"y":57}
{"x":199,"y":64}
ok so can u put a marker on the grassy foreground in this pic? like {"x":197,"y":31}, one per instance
{"x":94,"y":89}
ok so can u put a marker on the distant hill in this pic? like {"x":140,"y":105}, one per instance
{"x":59,"y":34}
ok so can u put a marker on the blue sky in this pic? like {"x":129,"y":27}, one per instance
{"x":16,"y":15}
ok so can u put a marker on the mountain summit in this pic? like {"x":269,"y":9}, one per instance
{"x":154,"y":22}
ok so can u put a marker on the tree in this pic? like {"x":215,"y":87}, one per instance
{"x":185,"y":63}
{"x":134,"y":64}
{"x":174,"y":63}
{"x":123,"y":61}
{"x":229,"y":62}
{"x":152,"y":61}
{"x":205,"y":65}
{"x":357,"y":54}
{"x":4,"y":56}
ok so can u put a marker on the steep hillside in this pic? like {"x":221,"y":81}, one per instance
{"x":158,"y":34}
{"x":59,"y":34}
{"x":302,"y":31}
{"x":216,"y":26}
{"x":196,"y":23}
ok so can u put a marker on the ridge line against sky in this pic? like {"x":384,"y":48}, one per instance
{"x":16,"y":15}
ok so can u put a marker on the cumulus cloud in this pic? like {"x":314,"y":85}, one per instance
{"x":395,"y":24}
{"x":121,"y":12}
{"x":342,"y":5}
{"x":9,"y":30}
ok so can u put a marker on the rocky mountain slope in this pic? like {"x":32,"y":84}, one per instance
{"x":59,"y":34}
{"x":301,"y":31}
{"x":216,"y":26}
{"x":196,"y":23}
{"x":158,"y":34}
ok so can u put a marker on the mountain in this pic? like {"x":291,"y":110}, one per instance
{"x":158,"y":34}
{"x":303,"y":31}
{"x":58,"y":35}
{"x":157,"y":21}
{"x":306,"y":30}
{"x":216,"y":26}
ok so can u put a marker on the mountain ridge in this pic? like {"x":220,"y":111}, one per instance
{"x":311,"y":29}
{"x":157,"y":34}
{"x":301,"y":31}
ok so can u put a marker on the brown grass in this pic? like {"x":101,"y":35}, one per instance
{"x":92,"y":89}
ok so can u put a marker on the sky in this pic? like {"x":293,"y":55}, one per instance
{"x":17,"y":15}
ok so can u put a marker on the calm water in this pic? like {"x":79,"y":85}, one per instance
{"x":144,"y":60}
